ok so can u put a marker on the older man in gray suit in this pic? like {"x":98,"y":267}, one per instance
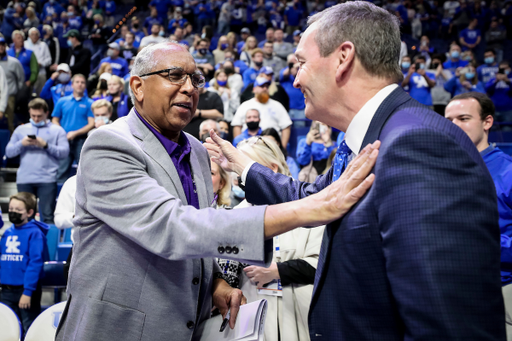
{"x":143,"y":226}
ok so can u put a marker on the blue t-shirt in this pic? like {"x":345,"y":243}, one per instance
{"x":150,"y":21}
{"x":470,"y":36}
{"x":244,"y":136}
{"x":293,"y":15}
{"x":453,"y":65}
{"x":486,"y":72}
{"x":249,"y":76}
{"x":419,"y":89}
{"x":119,"y":65}
{"x":500,"y":167}
{"x":73,"y":113}
{"x":296,"y":96}
{"x":499,"y":92}
{"x":110,"y":7}
{"x":162,"y":6}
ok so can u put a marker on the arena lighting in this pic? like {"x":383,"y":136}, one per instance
{"x":123,"y":21}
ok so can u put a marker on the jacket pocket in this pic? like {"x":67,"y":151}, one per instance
{"x":105,"y":321}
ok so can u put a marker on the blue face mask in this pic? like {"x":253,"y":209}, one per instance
{"x":222,"y":83}
{"x":223,"y":46}
{"x":38,"y":124}
{"x":102,"y":118}
{"x":489,"y":60}
{"x":422,"y":66}
{"x":161,"y":33}
{"x":455,"y":54}
{"x":507,"y":72}
{"x":71,"y":14}
{"x":470,"y":75}
{"x":406,"y":65}
{"x":70,"y":44}
{"x":223,"y":135}
{"x":238,"y":192}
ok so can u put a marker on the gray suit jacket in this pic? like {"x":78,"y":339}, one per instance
{"x":139,"y":270}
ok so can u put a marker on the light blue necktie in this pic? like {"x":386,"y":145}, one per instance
{"x":340,"y":161}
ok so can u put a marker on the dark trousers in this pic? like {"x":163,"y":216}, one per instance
{"x":47,"y":194}
{"x":11,"y":298}
{"x":75,"y":148}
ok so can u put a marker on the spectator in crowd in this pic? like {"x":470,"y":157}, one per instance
{"x":269,"y":59}
{"x":440,"y":97}
{"x":52,"y":8}
{"x":40,"y":145}
{"x":102,"y":86}
{"x":269,"y":37}
{"x":4,"y":93}
{"x":489,"y":69}
{"x":153,"y":38}
{"x":139,"y":34}
{"x":252,"y":72}
{"x":188,"y":34}
{"x":251,"y":44}
{"x":495,"y":38}
{"x":292,"y":164}
{"x":151,"y":20}
{"x":224,"y":17}
{"x":425,"y":49}
{"x":122,"y":36}
{"x":73,"y":113}
{"x":222,"y":47}
{"x":99,"y":36}
{"x":60,"y":30}
{"x":32,"y":20}
{"x":176,"y":21}
{"x":224,"y":129}
{"x":316,"y":147}
{"x":244,"y":34}
{"x":206,"y":126}
{"x":292,"y":16}
{"x":252,"y":121}
{"x":179,"y":33}
{"x":272,"y":113}
{"x":231,"y":99}
{"x":92,"y":81}
{"x":469,"y":57}
{"x":282,"y":48}
{"x":75,"y":21}
{"x":454,"y":61}
{"x":471,"y":37}
{"x":474,"y":113}
{"x":110,"y":8}
{"x":15,"y":80}
{"x":296,"y":97}
{"x":235,"y":80}
{"x":102,"y":110}
{"x":240,"y":66}
{"x":53,"y":46}
{"x":119,"y":65}
{"x":420,"y":81}
{"x":276,"y":91}
{"x":23,"y":249}
{"x":26,"y":57}
{"x":58,"y":85}
{"x":293,"y":267}
{"x":161,"y":7}
{"x":499,"y":88}
{"x":128,"y":50}
{"x":210,"y":106}
{"x":43,"y":56}
{"x":79,"y":57}
{"x":13,"y":20}
{"x":204,"y":58}
{"x":121,"y":103}
{"x":465,"y":80}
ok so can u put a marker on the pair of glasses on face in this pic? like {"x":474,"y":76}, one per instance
{"x":177,"y":76}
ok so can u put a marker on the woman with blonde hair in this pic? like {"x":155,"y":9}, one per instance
{"x":251,"y":43}
{"x":222,"y":47}
{"x":288,"y":283}
{"x":230,"y":99}
{"x":92,"y":81}
{"x":102,"y":87}
{"x":231,"y":41}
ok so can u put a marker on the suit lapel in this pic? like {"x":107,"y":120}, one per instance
{"x":154,"y":149}
{"x":198,"y":178}
{"x":383,"y":113}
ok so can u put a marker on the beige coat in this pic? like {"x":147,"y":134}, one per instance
{"x":291,"y":310}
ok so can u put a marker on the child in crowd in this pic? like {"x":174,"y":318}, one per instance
{"x":23,"y":250}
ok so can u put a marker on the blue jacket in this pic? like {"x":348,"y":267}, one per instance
{"x":249,"y":76}
{"x":500,"y":167}
{"x":119,"y":65}
{"x":296,"y":96}
{"x":38,"y":165}
{"x":418,"y":257}
{"x":56,"y":92}
{"x":500,"y":93}
{"x":317,"y":150}
{"x":10,"y":23}
{"x":455,"y":87}
{"x":24,"y":58}
{"x":23,"y":251}
{"x":244,"y":136}
{"x":122,"y":106}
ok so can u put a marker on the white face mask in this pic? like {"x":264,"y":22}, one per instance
{"x":64,"y":77}
{"x":105,"y":119}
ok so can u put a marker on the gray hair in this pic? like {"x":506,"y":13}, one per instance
{"x":374,"y":32}
{"x":208,"y":121}
{"x":145,"y":61}
{"x":33,"y":29}
{"x":48,"y":29}
{"x":15,"y":32}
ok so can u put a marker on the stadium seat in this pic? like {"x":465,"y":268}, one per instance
{"x":5,"y":135}
{"x":45,"y":325}
{"x":10,"y":325}
{"x":52,"y":240}
{"x":54,"y":278}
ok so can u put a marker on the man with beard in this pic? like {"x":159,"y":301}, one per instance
{"x":272,"y":113}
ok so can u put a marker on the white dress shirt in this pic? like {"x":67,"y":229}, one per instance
{"x":65,"y":208}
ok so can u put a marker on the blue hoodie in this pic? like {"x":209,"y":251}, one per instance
{"x":23,"y":250}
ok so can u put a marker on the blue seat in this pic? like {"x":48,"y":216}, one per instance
{"x":53,"y":278}
{"x":5,"y":135}
{"x":52,"y":240}
{"x":63,"y":251}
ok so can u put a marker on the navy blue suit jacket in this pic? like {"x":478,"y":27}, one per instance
{"x":418,"y":257}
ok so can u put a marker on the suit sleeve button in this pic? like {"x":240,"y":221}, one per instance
{"x":190,"y":325}
{"x":235,"y":250}
{"x":195,"y":281}
{"x":228,"y":249}
{"x":220,"y":249}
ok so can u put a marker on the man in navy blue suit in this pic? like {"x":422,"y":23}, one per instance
{"x":418,"y":257}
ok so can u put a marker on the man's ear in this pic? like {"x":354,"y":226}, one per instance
{"x":345,"y":55}
{"x":488,"y":122}
{"x":137,"y":86}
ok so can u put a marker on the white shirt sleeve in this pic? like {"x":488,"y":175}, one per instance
{"x":65,"y":208}
{"x":284,"y":120}
{"x":243,"y":176}
{"x":4,"y":91}
{"x":239,"y":118}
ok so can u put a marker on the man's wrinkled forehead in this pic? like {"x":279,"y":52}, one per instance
{"x":174,"y":55}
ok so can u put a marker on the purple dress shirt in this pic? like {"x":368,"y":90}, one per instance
{"x":180,"y":156}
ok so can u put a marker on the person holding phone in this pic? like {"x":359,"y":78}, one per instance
{"x":40,"y":145}
{"x":499,"y":90}
{"x":316,"y":147}
{"x":420,"y":81}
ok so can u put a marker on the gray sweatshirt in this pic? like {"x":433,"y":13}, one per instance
{"x":14,"y":74}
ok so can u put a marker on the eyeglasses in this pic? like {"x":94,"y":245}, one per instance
{"x":253,"y":140}
{"x":177,"y":76}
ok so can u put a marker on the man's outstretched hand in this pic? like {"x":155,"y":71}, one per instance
{"x":225,"y":155}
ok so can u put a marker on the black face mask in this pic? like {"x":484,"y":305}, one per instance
{"x":258,"y":64}
{"x":434,"y":65}
{"x":204,"y":137}
{"x":254,"y":125}
{"x":203,"y":51}
{"x":229,"y":70}
{"x":15,"y":218}
{"x":135,"y":26}
{"x":103,"y":85}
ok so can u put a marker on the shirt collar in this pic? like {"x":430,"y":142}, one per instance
{"x":182,"y":147}
{"x":357,"y":129}
{"x":487,"y":150}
